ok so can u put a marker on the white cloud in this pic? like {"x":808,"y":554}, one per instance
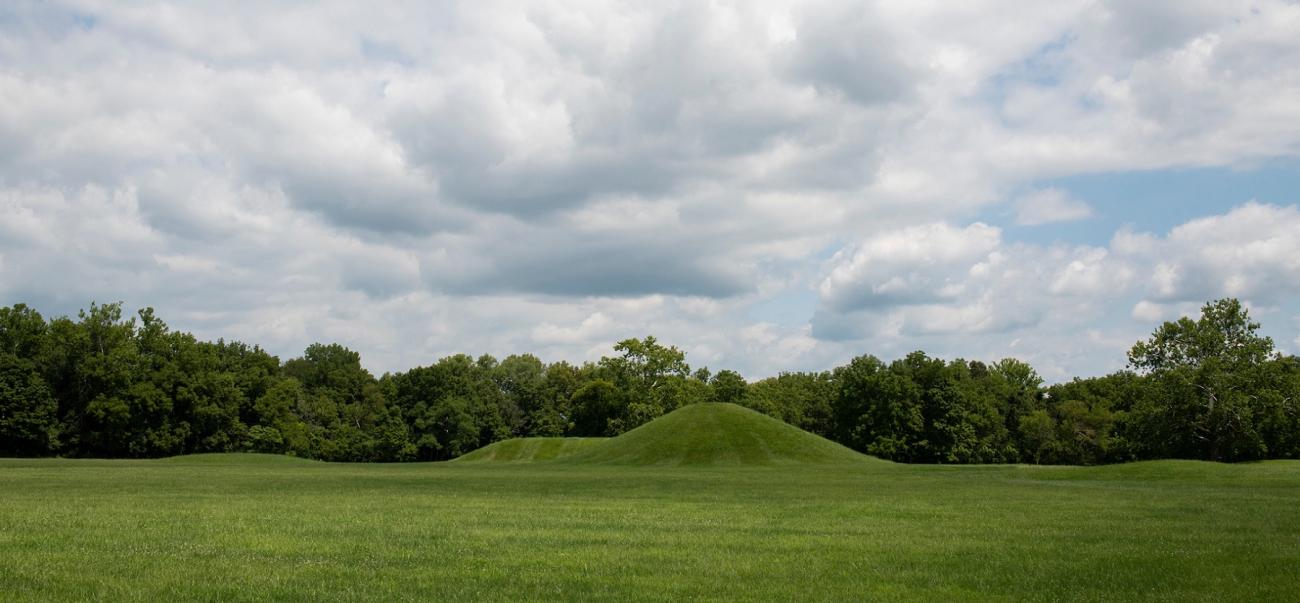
{"x":416,"y":179}
{"x":982,"y":289}
{"x":1091,"y":272}
{"x":940,"y":280}
{"x":1148,"y":311}
{"x":1050,"y":205}
{"x":913,"y":266}
{"x":1249,"y":252}
{"x":594,"y":326}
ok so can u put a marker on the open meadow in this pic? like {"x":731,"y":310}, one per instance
{"x":648,"y":516}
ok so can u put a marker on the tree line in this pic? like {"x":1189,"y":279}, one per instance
{"x":105,"y":385}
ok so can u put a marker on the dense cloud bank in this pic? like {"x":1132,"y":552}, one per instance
{"x":764,"y":183}
{"x":102,"y":385}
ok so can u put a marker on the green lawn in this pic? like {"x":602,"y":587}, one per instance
{"x":250,"y":527}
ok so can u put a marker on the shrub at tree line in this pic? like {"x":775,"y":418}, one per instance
{"x":105,"y":386}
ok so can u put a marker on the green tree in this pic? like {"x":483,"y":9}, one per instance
{"x":646,"y":362}
{"x":1038,"y":434}
{"x":160,"y":395}
{"x":96,"y":361}
{"x":283,"y":428}
{"x":554,"y":412}
{"x":1210,"y":385}
{"x":642,"y":372}
{"x":979,"y":415}
{"x":1020,"y":389}
{"x":29,"y":423}
{"x":878,"y":411}
{"x":450,"y":428}
{"x":728,"y":386}
{"x":332,"y":368}
{"x":1279,"y":423}
{"x":677,"y":392}
{"x":800,"y":399}
{"x":1088,"y":418}
{"x":454,"y":397}
{"x":215,"y":401}
{"x":22,"y":332}
{"x":521,"y":379}
{"x":598,"y":408}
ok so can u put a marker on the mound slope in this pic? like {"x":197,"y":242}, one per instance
{"x":715,"y":434}
{"x":528,"y":449}
{"x":235,"y":458}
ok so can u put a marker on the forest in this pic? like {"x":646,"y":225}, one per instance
{"x":108,"y":385}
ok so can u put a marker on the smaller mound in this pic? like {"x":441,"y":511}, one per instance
{"x":523,"y":450}
{"x":716,"y":434}
{"x":1200,"y":471}
{"x":235,"y":458}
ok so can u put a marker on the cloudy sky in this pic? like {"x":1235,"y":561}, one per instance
{"x":767,"y":185}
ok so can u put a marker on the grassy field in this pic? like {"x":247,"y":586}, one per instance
{"x":651,"y":520}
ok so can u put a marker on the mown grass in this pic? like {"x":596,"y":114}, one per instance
{"x":527,"y":450}
{"x":249,"y":527}
{"x":715,"y":435}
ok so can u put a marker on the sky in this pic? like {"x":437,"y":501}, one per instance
{"x":769,"y":186}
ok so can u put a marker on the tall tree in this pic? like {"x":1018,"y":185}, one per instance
{"x":22,"y":332}
{"x":728,"y":386}
{"x":598,"y":409}
{"x":878,"y":410}
{"x":800,"y":399}
{"x":1210,"y":384}
{"x":100,"y":354}
{"x":29,"y":423}
{"x":643,"y":371}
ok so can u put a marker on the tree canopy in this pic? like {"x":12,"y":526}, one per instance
{"x":108,"y":385}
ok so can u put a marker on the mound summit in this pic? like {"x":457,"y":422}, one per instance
{"x":696,"y":435}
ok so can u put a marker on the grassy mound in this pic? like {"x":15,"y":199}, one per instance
{"x":236,"y":458}
{"x":715,"y":434}
{"x":529,"y":449}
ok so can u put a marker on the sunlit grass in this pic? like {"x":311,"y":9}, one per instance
{"x":243,"y":527}
{"x":529,"y":449}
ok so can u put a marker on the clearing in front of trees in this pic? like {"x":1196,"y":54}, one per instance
{"x":708,"y":502}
